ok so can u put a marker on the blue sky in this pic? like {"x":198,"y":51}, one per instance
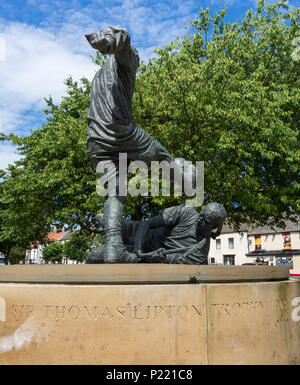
{"x":42,"y":43}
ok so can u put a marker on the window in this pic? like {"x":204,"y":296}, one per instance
{"x":285,"y":261}
{"x":257,"y":242}
{"x":212,"y":260}
{"x":218,"y":244}
{"x":228,"y":259}
{"x":230,"y":243}
{"x":287,"y":241}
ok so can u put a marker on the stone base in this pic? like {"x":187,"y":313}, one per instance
{"x":157,"y":323}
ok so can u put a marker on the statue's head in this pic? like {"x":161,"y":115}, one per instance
{"x":102,"y":40}
{"x":211,"y":216}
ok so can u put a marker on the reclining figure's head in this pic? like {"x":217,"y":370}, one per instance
{"x":211,"y":216}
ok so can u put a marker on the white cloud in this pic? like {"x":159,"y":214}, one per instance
{"x":223,"y":3}
{"x":35,"y":67}
{"x":156,"y":23}
{"x":151,"y":24}
{"x":40,"y":58}
{"x":8,"y":155}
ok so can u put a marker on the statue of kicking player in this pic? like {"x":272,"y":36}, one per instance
{"x":112,"y":130}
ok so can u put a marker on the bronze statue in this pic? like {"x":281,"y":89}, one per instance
{"x":177,"y":235}
{"x":111,"y":131}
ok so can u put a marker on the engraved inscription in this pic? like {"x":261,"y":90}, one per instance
{"x":235,"y":309}
{"x":97,"y":312}
{"x":22,"y":311}
{"x":60,"y":313}
{"x":279,"y":307}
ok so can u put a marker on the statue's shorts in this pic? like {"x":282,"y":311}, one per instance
{"x":108,"y":156}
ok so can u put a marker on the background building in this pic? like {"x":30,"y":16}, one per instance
{"x":230,"y":247}
{"x":34,"y":255}
{"x":260,"y":244}
{"x":276,"y":246}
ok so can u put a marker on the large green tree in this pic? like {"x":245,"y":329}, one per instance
{"x":226,"y":94}
{"x":53,"y":183}
{"x":6,"y":243}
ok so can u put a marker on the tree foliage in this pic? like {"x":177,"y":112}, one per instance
{"x":6,"y":243}
{"x":226,"y":94}
{"x":53,"y":183}
{"x":53,"y":252}
{"x":16,"y":255}
{"x":77,"y":247}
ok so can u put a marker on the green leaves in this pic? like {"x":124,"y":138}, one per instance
{"x":226,"y":94}
{"x":54,"y":252}
{"x":76,"y":248}
{"x":54,"y":183}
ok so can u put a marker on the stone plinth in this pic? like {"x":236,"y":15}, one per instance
{"x":148,"y":314}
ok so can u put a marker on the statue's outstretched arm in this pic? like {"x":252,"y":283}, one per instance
{"x":115,"y":40}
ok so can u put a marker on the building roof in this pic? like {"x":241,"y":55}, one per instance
{"x":66,"y":235}
{"x":229,"y":228}
{"x":289,"y":226}
{"x":266,"y":229}
{"x":53,"y":236}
